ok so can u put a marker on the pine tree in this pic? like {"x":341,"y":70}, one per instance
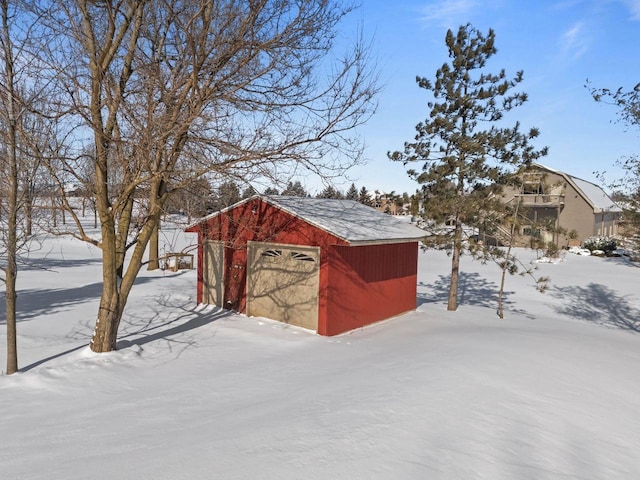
{"x":416,"y":202}
{"x":330,"y":192}
{"x":364,"y":197}
{"x":249,"y":192}
{"x":294,"y":189}
{"x":352,"y":193}
{"x":228,"y":193}
{"x":463,"y":145}
{"x":271,"y":191}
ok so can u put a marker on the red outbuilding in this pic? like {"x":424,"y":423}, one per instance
{"x":326,"y":265}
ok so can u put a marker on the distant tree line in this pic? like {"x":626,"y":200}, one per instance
{"x":200,"y":198}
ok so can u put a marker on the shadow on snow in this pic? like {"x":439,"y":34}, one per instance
{"x":165,"y":318}
{"x":598,"y":304}
{"x":163,"y":325}
{"x":32,"y":303}
{"x":473,"y":289}
{"x":55,"y":264}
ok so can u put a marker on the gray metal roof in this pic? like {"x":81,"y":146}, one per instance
{"x":596,"y":196}
{"x":348,"y":220}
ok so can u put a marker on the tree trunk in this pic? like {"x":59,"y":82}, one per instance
{"x":11,"y":270}
{"x":105,"y":333}
{"x":28,"y":209}
{"x":12,"y":331}
{"x":115,"y":290}
{"x":505,"y":265}
{"x":54,"y":212}
{"x":455,"y":266}
{"x":154,"y":262}
{"x":155,"y":211}
{"x":118,"y":280}
{"x":109,"y":313}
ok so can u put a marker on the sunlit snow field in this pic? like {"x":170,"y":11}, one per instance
{"x":550,"y":392}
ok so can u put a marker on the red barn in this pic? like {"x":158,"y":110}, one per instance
{"x":327,"y":265}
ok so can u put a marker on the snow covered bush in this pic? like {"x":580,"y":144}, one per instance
{"x":605,"y":244}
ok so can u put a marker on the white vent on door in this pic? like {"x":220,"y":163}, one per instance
{"x":303,"y":257}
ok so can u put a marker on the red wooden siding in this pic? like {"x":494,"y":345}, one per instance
{"x":358,"y":285}
{"x":369,"y":283}
{"x":254,"y":221}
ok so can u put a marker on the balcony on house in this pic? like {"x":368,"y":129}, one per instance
{"x":541,"y":199}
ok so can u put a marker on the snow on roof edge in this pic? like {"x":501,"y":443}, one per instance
{"x":273,"y":200}
{"x":219,"y":212}
{"x":399,"y":233}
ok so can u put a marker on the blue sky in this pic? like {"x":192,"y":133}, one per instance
{"x":558,"y":44}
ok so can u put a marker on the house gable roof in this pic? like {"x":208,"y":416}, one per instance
{"x":348,"y":220}
{"x":596,"y":195}
{"x":592,"y":193}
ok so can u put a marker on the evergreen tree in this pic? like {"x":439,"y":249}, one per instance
{"x":416,"y":201}
{"x":463,"y":146}
{"x":377,"y":199}
{"x":364,"y":197}
{"x":271,"y":191}
{"x":191,"y":200}
{"x":228,"y":193}
{"x":249,"y":192}
{"x":330,"y":192}
{"x":294,"y":189}
{"x":394,"y":199}
{"x":352,"y":193}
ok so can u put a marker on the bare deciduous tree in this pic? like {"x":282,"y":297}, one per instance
{"x":10,"y":114}
{"x":20,"y":91}
{"x":191,"y":200}
{"x":173,"y":90}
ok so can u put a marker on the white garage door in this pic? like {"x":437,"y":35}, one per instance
{"x":213,"y":275}
{"x":283,"y":283}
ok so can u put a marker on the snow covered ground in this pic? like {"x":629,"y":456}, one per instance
{"x":550,"y":392}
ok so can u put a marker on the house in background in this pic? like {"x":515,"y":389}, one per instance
{"x":579,"y":208}
{"x":323,"y":264}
